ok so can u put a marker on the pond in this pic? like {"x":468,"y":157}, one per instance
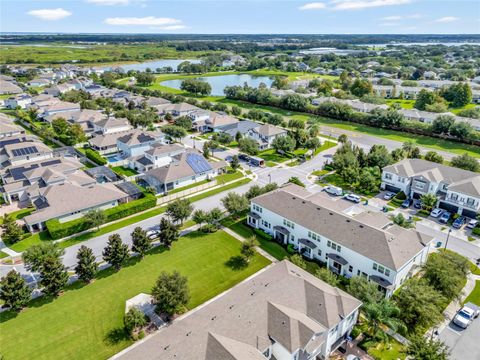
{"x":153,"y":65}
{"x":218,"y":83}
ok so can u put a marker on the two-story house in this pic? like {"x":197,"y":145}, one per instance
{"x":137,"y":142}
{"x":265,"y":134}
{"x":282,"y":312}
{"x":367,"y":245}
{"x":457,"y":190}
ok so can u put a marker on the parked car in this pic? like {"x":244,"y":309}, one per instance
{"x":153,"y":234}
{"x":417,"y":204}
{"x":334,"y":190}
{"x":474,"y":308}
{"x":459,"y":222}
{"x":406,"y":204}
{"x":464,"y":317}
{"x":436,"y":212}
{"x":445,"y":217}
{"x":352,"y":197}
{"x":244,"y":157}
{"x":388,"y":196}
{"x":472,"y":224}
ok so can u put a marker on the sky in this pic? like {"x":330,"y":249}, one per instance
{"x":242,"y":16}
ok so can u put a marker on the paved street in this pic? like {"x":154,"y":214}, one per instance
{"x":464,"y":344}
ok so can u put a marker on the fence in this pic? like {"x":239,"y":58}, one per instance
{"x":193,"y":190}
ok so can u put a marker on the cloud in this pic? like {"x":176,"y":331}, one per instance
{"x":447,"y":19}
{"x":389,"y":24}
{"x":389,"y":18}
{"x":398,"y":17}
{"x":142,"y":21}
{"x":50,"y":14}
{"x":170,"y":27}
{"x":313,"y":6}
{"x":363,"y":4}
{"x":109,"y":2}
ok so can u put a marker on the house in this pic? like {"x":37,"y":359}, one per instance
{"x":40,"y":82}
{"x":215,"y":122}
{"x":458,"y":190}
{"x":70,"y":201}
{"x":20,"y":100}
{"x":155,"y":101}
{"x":56,"y":107}
{"x":107,"y":143}
{"x":430,"y":75}
{"x":395,"y":91}
{"x":356,"y":105}
{"x":179,"y":109}
{"x":241,"y":127}
{"x":282,"y":312}
{"x":9,"y":87}
{"x":137,"y":142}
{"x":157,"y":155}
{"x":8,"y":128}
{"x":186,"y":168}
{"x":367,"y":245}
{"x":420,"y":115}
{"x":111,"y":125}
{"x":22,"y":149}
{"x":265,"y":134}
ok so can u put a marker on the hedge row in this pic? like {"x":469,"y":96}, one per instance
{"x":95,"y":157}
{"x":60,"y":230}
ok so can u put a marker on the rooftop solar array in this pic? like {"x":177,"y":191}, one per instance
{"x":4,"y":143}
{"x":25,"y":151}
{"x":18,"y":172}
{"x":198,"y":163}
{"x":129,"y":188}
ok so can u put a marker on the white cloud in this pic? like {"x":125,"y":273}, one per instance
{"x":169,"y":27}
{"x":313,"y":6}
{"x":389,"y":24}
{"x":109,"y":2}
{"x":363,"y":4}
{"x":447,"y":19}
{"x":142,"y":21}
{"x":389,"y":18}
{"x":404,"y":17}
{"x":50,"y":14}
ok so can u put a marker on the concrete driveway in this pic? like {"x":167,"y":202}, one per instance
{"x":464,"y":344}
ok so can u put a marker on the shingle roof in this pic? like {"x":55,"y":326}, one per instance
{"x":392,"y":247}
{"x":283,"y":301}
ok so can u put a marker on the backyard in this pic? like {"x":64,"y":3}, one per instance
{"x":87,"y":321}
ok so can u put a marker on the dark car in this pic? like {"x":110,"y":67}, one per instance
{"x":417,"y":204}
{"x":243,"y":157}
{"x":445,"y":217}
{"x":407,"y":203}
{"x":459,"y":222}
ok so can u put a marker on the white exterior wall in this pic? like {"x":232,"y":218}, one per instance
{"x":81,"y":213}
{"x":24,"y":160}
{"x":461,"y":201}
{"x":402,"y":183}
{"x":280,"y":352}
{"x":344,"y":327}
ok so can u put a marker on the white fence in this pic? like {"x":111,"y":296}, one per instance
{"x":193,"y":190}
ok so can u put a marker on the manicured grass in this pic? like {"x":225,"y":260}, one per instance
{"x":19,"y":214}
{"x":188,"y":186}
{"x":320,"y":172}
{"x":405,"y":104}
{"x":325,"y":146}
{"x":229,"y":176}
{"x":391,"y":351}
{"x":124,"y":171}
{"x":474,"y":296}
{"x":87,"y":321}
{"x":336,"y":180}
{"x":474,"y":268}
{"x":270,"y":163}
{"x":33,"y":239}
{"x":273,"y":156}
{"x":3,"y":255}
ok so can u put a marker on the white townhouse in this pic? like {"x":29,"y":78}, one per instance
{"x":367,"y":245}
{"x":280,"y":313}
{"x":457,"y":190}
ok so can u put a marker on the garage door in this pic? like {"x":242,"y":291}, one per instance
{"x":449,"y":207}
{"x":469,"y":213}
{"x":392,"y":188}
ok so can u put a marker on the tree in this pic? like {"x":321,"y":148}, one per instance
{"x":54,"y":276}
{"x":379,"y":156}
{"x":235,"y":203}
{"x":419,"y":303}
{"x":144,"y":78}
{"x":461,"y":129}
{"x":428,"y":200}
{"x":422,"y":348}
{"x":313,"y":143}
{"x":171,"y":292}
{"x":12,"y":232}
{"x":295,"y":180}
{"x":168,"y":232}
{"x":86,"y":268}
{"x":248,"y":248}
{"x":361,"y":87}
{"x":134,"y":320}
{"x":248,"y":145}
{"x":235,"y":162}
{"x":195,"y":86}
{"x":370,"y":179}
{"x":179,"y":210}
{"x":206,"y":149}
{"x":364,"y":290}
{"x":328,"y":276}
{"x":442,"y":124}
{"x":410,"y":150}
{"x":236,"y":110}
{"x":95,"y":218}
{"x":35,"y":256}
{"x":184,"y":122}
{"x":14,"y":291}
{"x":283,"y":144}
{"x":424,"y":98}
{"x":174,"y":132}
{"x":214,"y":216}
{"x":434,"y":157}
{"x":297,"y":259}
{"x":116,"y":252}
{"x":466,"y":162}
{"x":382,"y":313}
{"x":459,"y":94}
{"x":342,"y":139}
{"x":140,"y":241}
{"x":199,"y":217}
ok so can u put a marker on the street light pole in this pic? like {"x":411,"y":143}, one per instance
{"x":448,"y":236}
{"x":269,"y":178}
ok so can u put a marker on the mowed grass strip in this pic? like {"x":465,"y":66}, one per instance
{"x":86,"y":322}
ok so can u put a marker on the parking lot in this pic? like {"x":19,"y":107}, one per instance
{"x":464,"y":344}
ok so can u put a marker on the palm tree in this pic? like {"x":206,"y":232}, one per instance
{"x":383,"y":313}
{"x":314,"y":130}
{"x":408,"y":147}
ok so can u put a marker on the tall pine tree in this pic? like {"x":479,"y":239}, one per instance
{"x":54,"y":276}
{"x":168,"y":232}
{"x":116,"y":252}
{"x":14,"y":291}
{"x":140,"y":241}
{"x":86,"y":265}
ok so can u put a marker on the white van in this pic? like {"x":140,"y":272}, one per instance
{"x":334,"y":190}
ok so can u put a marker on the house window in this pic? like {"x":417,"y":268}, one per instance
{"x":470,"y":201}
{"x":288,"y":224}
{"x":257,"y":208}
{"x":388,"y":176}
{"x":374,"y":266}
{"x":454,"y":197}
{"x":350,"y":268}
{"x":329,"y":244}
{"x":401,"y":179}
{"x":319,"y":252}
{"x":419,"y":185}
{"x":387,"y":272}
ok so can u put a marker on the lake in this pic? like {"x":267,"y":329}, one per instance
{"x":153,"y":65}
{"x":218,"y":83}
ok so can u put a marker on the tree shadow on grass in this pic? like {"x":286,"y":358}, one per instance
{"x":236,"y":263}
{"x":115,"y":336}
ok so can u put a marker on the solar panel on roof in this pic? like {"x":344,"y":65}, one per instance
{"x":51,"y":162}
{"x":9,"y":142}
{"x":198,"y":163}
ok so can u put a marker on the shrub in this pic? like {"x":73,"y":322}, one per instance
{"x":95,"y":157}
{"x":290,"y":249}
{"x":400,"y":196}
{"x":476,"y":231}
{"x":263,"y":235}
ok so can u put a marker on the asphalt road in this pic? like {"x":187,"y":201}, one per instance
{"x":464,"y":344}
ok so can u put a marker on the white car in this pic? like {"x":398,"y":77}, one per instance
{"x":472,"y":224}
{"x":388,"y":196}
{"x":436,"y":212}
{"x":153,"y":234}
{"x":464,"y":317}
{"x":352,"y":197}
{"x":334,"y":190}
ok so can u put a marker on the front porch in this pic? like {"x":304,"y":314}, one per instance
{"x":281,"y":234}
{"x":336,"y":264}
{"x":306,"y":247}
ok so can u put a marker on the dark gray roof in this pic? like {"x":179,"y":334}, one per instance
{"x":129,"y":188}
{"x":102,"y":171}
{"x":241,"y":127}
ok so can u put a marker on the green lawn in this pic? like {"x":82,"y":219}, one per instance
{"x":474,"y":268}
{"x":3,"y":255}
{"x":19,"y":214}
{"x":391,"y":351}
{"x":121,"y":170}
{"x":474,"y":296}
{"x":230,"y":175}
{"x":272,"y":156}
{"x":87,"y":321}
{"x":336,"y":180}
